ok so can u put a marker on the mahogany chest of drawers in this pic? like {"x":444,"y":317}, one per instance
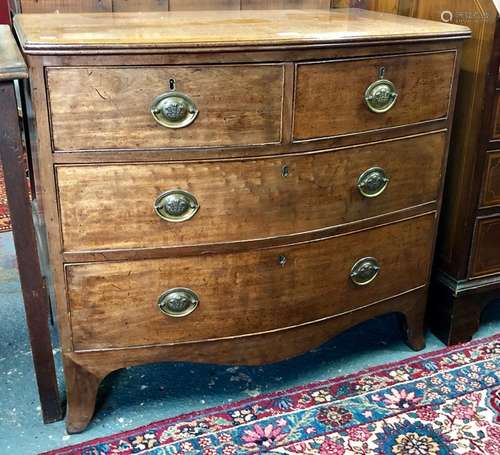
{"x":235,"y":193}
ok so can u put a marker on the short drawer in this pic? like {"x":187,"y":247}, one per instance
{"x":111,"y":107}
{"x":491,"y":182}
{"x":486,"y":247}
{"x":117,"y":304}
{"x":332,"y":97}
{"x":112,"y":206}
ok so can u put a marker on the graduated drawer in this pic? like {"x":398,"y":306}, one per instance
{"x":111,"y":107}
{"x":491,"y":183}
{"x":330,"y":96}
{"x":116,"y":304}
{"x":111,"y":206}
{"x":485,"y":258}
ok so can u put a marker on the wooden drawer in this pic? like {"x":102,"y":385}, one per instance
{"x":330,"y":101}
{"x":496,"y":120}
{"x":114,"y":304}
{"x":111,"y":206}
{"x":491,"y":188}
{"x":486,"y":247}
{"x":110,"y":107}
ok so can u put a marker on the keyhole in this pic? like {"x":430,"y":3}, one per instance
{"x":282,"y":260}
{"x":381,"y":72}
{"x":285,"y":171}
{"x":171,"y":84}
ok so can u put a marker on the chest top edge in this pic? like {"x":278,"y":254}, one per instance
{"x":216,"y":30}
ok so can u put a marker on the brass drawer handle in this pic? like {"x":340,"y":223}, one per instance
{"x":176,"y":206}
{"x":381,"y":96}
{"x":174,"y":110}
{"x":178,"y":302}
{"x":373,"y":182}
{"x":364,"y":271}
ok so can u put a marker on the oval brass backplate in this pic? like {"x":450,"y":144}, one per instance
{"x":364,"y":271}
{"x":373,"y":182}
{"x":178,"y":302}
{"x":176,"y":206}
{"x":174,"y":110}
{"x":381,"y":96}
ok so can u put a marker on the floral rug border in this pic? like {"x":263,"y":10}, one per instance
{"x":200,"y":425}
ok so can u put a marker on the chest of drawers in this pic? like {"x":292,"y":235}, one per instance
{"x":234,"y":187}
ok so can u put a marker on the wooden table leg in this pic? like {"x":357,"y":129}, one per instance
{"x":36,"y":301}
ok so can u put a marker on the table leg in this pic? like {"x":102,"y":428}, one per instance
{"x":35,"y":294}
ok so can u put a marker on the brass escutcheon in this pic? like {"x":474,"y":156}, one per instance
{"x":373,"y":182}
{"x":178,"y":302}
{"x":381,"y":96}
{"x":176,"y":206}
{"x":364,"y":271}
{"x":174,"y":110}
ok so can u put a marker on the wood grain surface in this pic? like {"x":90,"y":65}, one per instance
{"x":85,"y":370}
{"x":285,"y":4}
{"x":66,"y":6}
{"x":111,"y":206}
{"x":75,"y":6}
{"x":114,"y":304}
{"x":140,"y":5}
{"x":111,"y":107}
{"x":181,"y":29}
{"x":203,"y":5}
{"x":330,"y":102}
{"x":81,"y":6}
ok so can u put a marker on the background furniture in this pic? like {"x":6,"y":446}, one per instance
{"x":467,"y":274}
{"x":35,"y":295}
{"x":72,"y":6}
{"x":257,"y":230}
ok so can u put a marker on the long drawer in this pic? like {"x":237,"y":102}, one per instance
{"x":334,"y":98}
{"x":117,"y":304}
{"x":112,"y":206}
{"x":111,"y":107}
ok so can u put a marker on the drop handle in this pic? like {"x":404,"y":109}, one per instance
{"x":364,"y":271}
{"x":176,"y":206}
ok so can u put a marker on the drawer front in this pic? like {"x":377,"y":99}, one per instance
{"x":111,"y":206}
{"x":486,"y":247}
{"x":107,"y":108}
{"x":491,"y":190}
{"x":496,"y":121}
{"x":115,"y":304}
{"x":330,"y":100}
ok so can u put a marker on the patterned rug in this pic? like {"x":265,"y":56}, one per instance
{"x":4,"y":208}
{"x":445,"y":402}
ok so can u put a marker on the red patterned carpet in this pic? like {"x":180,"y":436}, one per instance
{"x":4,"y":209}
{"x":441,"y":403}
